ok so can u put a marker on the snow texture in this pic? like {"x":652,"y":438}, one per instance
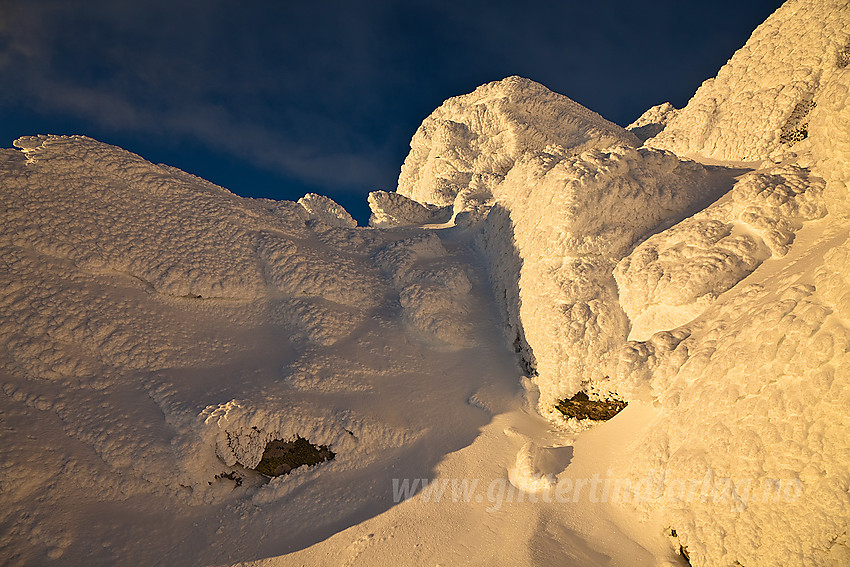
{"x":394,"y":209}
{"x":482,"y":133}
{"x":559,"y":295}
{"x":511,"y":150}
{"x":760,"y":100}
{"x":653,"y":121}
{"x":156,"y":331}
{"x":325,"y":210}
{"x":671,"y":277}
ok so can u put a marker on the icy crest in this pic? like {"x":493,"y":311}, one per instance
{"x":482,"y":133}
{"x":653,"y":121}
{"x":761,"y":99}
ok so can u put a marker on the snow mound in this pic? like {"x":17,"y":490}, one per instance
{"x":752,"y":431}
{"x":673,"y":276}
{"x":394,"y":209}
{"x":482,"y":133}
{"x":432,"y":290}
{"x":326,"y":210}
{"x":761,"y":99}
{"x":653,"y":121}
{"x":158,"y":330}
{"x":552,"y":272}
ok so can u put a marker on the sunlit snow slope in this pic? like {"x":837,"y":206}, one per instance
{"x":156,"y":331}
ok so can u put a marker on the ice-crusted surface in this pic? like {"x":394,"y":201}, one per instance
{"x":752,"y":435}
{"x":553,"y":271}
{"x":394,"y":209}
{"x":830,"y":129}
{"x":674,"y":275}
{"x":559,"y":196}
{"x":760,"y":100}
{"x":482,"y":133}
{"x":653,"y":121}
{"x":326,"y":210}
{"x":157,"y":330}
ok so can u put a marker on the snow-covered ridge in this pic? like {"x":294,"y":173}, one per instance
{"x":156,"y":331}
{"x":481,"y":134}
{"x":760,"y":101}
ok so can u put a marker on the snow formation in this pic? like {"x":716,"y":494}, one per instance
{"x":749,"y":377}
{"x":157,"y":331}
{"x":760,"y":101}
{"x":653,"y":121}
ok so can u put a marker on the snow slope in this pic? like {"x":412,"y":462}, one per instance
{"x":156,"y":331}
{"x":759,"y":102}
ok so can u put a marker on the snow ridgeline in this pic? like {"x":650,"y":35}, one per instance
{"x":760,"y":101}
{"x":751,"y":380}
{"x":157,"y":331}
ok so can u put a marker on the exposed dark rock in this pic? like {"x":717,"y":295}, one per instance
{"x":280,"y":457}
{"x":582,"y":407}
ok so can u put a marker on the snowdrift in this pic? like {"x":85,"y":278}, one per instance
{"x":157,"y":331}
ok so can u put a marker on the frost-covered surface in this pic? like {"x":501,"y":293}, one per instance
{"x":481,"y":134}
{"x":554,"y":270}
{"x":653,"y":121}
{"x":830,"y":128}
{"x":156,"y":331}
{"x":325,"y":210}
{"x":394,"y":209}
{"x":558,"y":195}
{"x":760,"y":100}
{"x":752,"y":435}
{"x":674,"y":275}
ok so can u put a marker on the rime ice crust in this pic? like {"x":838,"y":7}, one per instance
{"x":674,"y":275}
{"x":653,"y":121}
{"x":157,"y":330}
{"x":760,"y":100}
{"x":482,"y":133}
{"x":563,"y":301}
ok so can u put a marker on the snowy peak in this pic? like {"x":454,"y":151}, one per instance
{"x":760,"y":100}
{"x":482,"y":133}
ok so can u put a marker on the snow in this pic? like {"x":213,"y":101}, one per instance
{"x":759,"y":100}
{"x":672,"y":276}
{"x":156,"y":331}
{"x":653,"y":121}
{"x":479,"y":135}
{"x":394,"y":209}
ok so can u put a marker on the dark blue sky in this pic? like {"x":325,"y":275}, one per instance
{"x":275,"y":99}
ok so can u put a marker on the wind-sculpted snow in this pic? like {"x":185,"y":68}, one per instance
{"x":830,"y":128}
{"x":565,"y":196}
{"x":157,"y":330}
{"x":753,"y":430}
{"x":673,"y":276}
{"x":324,"y":210}
{"x":653,"y":121}
{"x":394,"y":209}
{"x":482,"y":133}
{"x":760,"y":100}
{"x":559,"y":294}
